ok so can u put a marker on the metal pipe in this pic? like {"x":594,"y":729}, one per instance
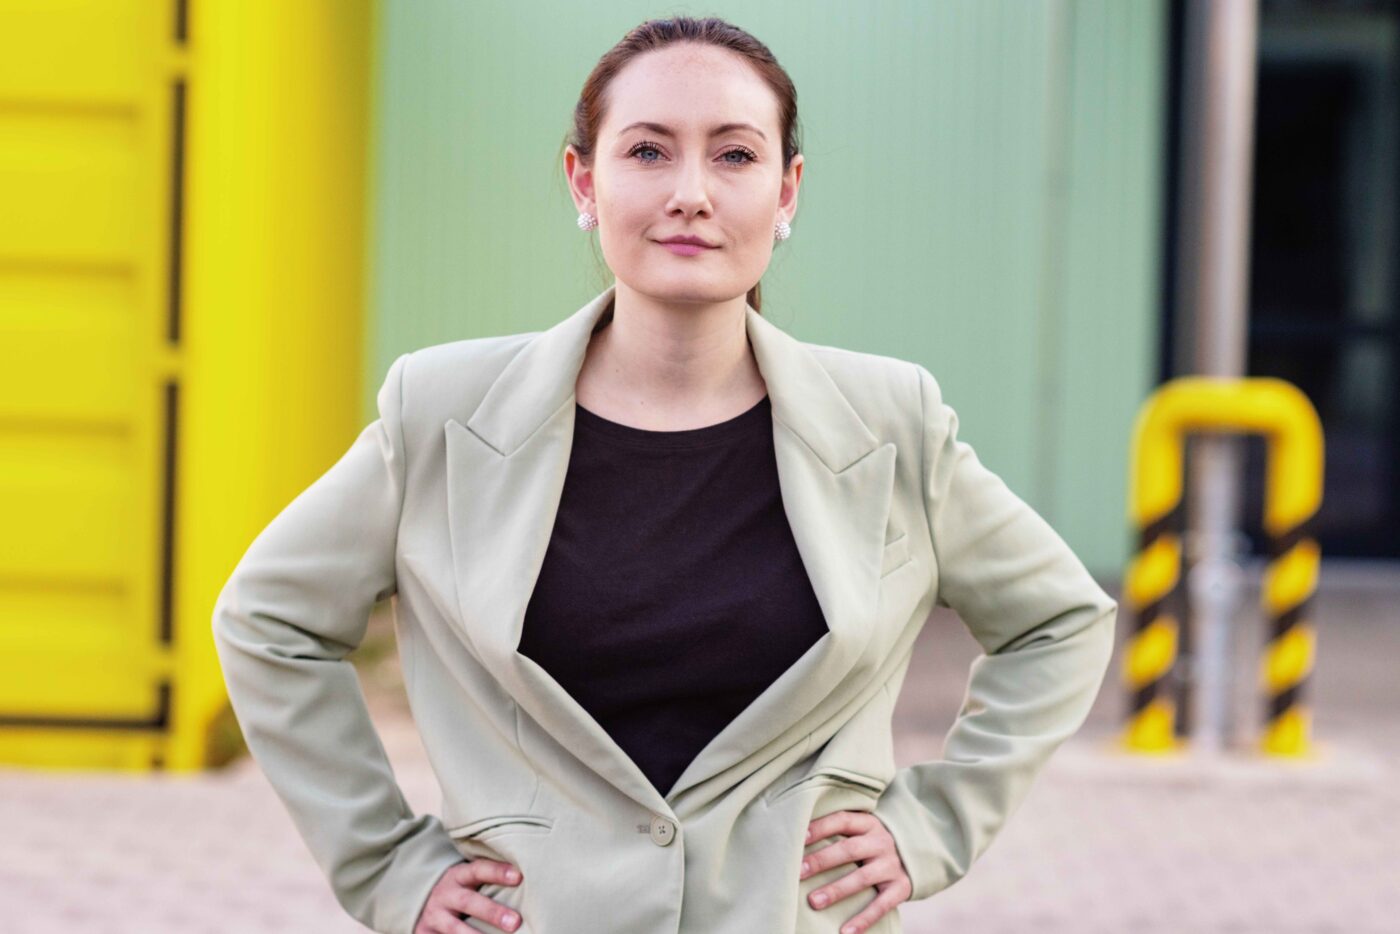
{"x":1221,"y":51}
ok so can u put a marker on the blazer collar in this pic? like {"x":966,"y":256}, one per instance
{"x":506,"y":468}
{"x":542,"y":377}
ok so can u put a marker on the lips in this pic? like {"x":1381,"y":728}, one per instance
{"x":686,"y":249}
{"x":689,"y":241}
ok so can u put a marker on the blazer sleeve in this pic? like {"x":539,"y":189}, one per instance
{"x":1047,"y":630}
{"x":296,"y":604}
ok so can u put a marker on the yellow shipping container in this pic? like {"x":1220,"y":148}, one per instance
{"x":182,"y":193}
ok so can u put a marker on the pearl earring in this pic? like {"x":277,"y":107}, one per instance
{"x":781,"y":230}
{"x":587,"y":221}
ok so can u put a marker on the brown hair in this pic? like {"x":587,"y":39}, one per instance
{"x":659,"y":33}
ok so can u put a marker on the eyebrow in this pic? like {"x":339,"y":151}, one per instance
{"x":666,"y":131}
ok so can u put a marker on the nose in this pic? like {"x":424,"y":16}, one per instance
{"x":691,"y":195}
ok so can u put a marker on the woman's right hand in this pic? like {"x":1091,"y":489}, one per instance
{"x":455,"y":894}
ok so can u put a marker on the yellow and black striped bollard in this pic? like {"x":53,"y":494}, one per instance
{"x":1293,"y":492}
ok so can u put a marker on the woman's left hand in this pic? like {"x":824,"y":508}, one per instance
{"x":867,"y":840}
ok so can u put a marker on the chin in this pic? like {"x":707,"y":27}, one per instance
{"x":698,"y":294}
{"x":679,"y":284}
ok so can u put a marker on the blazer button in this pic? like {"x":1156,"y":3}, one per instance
{"x":663,"y":831}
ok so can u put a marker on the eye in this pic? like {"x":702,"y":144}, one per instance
{"x":748,"y":154}
{"x":642,"y":147}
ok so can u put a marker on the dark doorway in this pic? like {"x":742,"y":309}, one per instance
{"x":1324,"y":277}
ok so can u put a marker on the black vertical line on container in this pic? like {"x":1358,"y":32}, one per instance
{"x":182,"y":21}
{"x":177,"y":211}
{"x":167,"y":556}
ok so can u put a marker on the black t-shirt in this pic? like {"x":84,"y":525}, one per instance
{"x":672,"y":593}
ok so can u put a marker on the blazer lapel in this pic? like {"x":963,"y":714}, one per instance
{"x":505,"y":477}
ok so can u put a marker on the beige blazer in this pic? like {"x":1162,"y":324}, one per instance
{"x":447,"y":501}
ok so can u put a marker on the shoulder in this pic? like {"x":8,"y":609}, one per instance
{"x":436,"y":360}
{"x":889,"y":393}
{"x":844,"y":363}
{"x":441,"y":381}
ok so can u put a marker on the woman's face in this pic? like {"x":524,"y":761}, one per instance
{"x":691,"y":178}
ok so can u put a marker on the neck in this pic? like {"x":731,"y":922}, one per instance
{"x":657,"y":357}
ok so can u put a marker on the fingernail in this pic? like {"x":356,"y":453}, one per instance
{"x":848,"y":930}
{"x":512,"y":875}
{"x":819,"y":899}
{"x":510,"y":920}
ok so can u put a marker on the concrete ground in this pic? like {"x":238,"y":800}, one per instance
{"x":1104,"y":843}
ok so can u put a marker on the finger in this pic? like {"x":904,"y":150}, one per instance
{"x":441,"y":920}
{"x":445,"y":922}
{"x":461,"y":927}
{"x":430,"y":918}
{"x":889,"y":898}
{"x":847,"y":822}
{"x":473,"y":904}
{"x":845,"y":850}
{"x":480,"y":871}
{"x":857,"y":880}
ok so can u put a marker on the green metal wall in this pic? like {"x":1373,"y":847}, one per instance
{"x":981,"y":194}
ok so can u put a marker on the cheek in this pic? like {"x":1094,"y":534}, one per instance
{"x":625,"y":229}
{"x":622,"y":213}
{"x":758,"y":238}
{"x":758,"y":226}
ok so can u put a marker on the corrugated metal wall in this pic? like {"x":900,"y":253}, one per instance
{"x":980,"y":195}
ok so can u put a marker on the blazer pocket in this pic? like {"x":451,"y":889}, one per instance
{"x":896,"y":555}
{"x":487,"y":827}
{"x":830,"y":775}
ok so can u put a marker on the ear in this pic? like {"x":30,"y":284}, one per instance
{"x":580,"y":181}
{"x":787,"y":195}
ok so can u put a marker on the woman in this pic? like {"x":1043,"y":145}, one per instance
{"x":657,"y":574}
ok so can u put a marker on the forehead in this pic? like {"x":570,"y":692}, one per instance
{"x":691,"y":88}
